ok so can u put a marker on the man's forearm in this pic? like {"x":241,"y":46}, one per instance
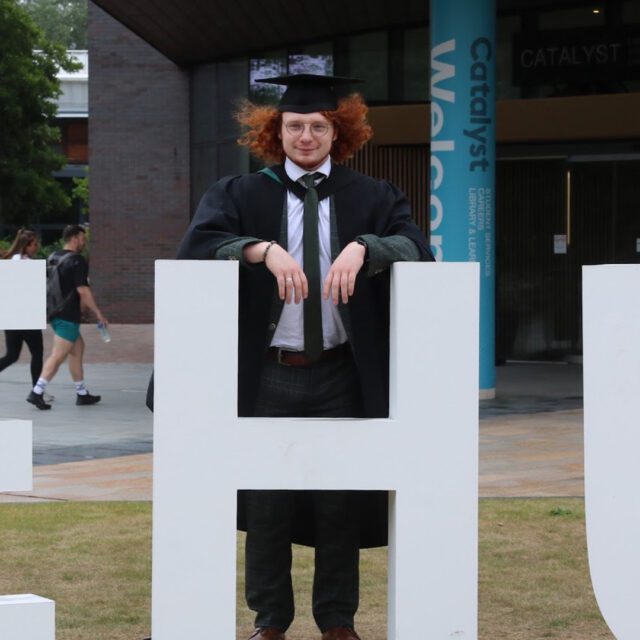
{"x":236,"y":250}
{"x":383,"y":252}
{"x":87,"y":300}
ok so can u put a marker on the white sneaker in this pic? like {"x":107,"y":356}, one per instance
{"x":47,"y":398}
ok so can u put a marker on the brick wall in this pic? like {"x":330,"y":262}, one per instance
{"x":139,"y":165}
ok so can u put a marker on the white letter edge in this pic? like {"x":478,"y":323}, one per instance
{"x":16,"y":457}
{"x":611,"y":319}
{"x":23,"y":289}
{"x":27,"y":617}
{"x":425,"y":453}
{"x":23,"y":284}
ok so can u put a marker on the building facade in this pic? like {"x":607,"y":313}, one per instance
{"x":167,"y":78}
{"x":73,"y":120}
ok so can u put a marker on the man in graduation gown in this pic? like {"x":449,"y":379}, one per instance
{"x":315,"y":241}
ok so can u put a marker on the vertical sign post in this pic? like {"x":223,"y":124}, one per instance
{"x":463,"y":152}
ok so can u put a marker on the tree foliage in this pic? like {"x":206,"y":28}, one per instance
{"x":62,"y":21}
{"x":80,"y":192}
{"x":28,"y":88}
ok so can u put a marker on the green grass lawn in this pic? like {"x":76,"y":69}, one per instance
{"x":94,"y":560}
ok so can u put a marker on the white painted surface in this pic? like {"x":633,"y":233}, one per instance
{"x":23,"y":296}
{"x":16,"y":465}
{"x":27,"y":617}
{"x":23,"y":293}
{"x":426,"y":452}
{"x":611,"y":316}
{"x":23,"y":289}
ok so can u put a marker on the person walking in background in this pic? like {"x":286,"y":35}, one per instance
{"x":24,"y":247}
{"x":67,"y":341}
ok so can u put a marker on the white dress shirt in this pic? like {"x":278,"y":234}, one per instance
{"x":290,"y":331}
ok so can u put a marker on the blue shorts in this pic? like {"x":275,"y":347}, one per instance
{"x":65,"y":329}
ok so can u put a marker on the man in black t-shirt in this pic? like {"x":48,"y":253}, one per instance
{"x":67,"y":341}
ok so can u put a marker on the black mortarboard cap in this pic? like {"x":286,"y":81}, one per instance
{"x":308,"y":93}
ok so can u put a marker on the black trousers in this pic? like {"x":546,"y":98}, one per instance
{"x":33,"y":340}
{"x":326,"y":389}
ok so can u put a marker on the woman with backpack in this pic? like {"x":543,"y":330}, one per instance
{"x":24,"y":247}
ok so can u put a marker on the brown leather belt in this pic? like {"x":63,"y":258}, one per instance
{"x":298,"y":359}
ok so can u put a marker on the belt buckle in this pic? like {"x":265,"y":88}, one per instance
{"x":279,"y":358}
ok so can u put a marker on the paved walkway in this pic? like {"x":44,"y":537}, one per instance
{"x":530,"y":436}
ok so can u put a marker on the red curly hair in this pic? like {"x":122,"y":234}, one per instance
{"x":263,"y":126}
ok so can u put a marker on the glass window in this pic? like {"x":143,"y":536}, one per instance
{"x":416,"y":68}
{"x":75,"y":141}
{"x":314,"y":58}
{"x":270,"y":65}
{"x":506,"y":27}
{"x":631,"y":11}
{"x":368,"y":61}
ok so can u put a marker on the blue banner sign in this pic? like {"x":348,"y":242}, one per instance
{"x":463,"y":151}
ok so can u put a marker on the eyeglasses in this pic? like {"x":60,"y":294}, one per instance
{"x":318,"y":129}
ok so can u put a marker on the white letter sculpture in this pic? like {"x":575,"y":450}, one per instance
{"x":611,"y":318}
{"x":22,"y":291}
{"x":425,"y":453}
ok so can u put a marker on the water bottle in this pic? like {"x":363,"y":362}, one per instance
{"x":104,"y":332}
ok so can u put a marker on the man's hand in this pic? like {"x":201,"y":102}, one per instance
{"x":341,"y":279}
{"x":292,"y":283}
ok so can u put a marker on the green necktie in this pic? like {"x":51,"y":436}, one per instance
{"x":313,"y":343}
